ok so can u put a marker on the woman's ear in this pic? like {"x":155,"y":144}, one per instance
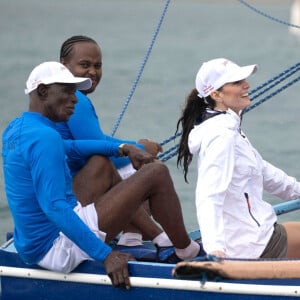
{"x":215,"y":95}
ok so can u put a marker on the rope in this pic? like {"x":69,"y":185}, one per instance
{"x":168,"y":154}
{"x":275,"y":81}
{"x":171,"y":155}
{"x":267,"y":15}
{"x":141,"y":68}
{"x":173,"y":137}
{"x":284,"y":74}
{"x":273,"y":94}
{"x":171,"y":152}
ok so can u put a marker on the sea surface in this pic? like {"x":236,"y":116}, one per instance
{"x":192,"y":31}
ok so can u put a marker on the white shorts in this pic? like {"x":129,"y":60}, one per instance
{"x":65,"y":255}
{"x":126,"y":171}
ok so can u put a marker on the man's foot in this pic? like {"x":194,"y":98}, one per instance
{"x":167,"y":255}
{"x":142,"y":252}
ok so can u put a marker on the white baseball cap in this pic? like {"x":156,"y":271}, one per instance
{"x":215,"y":73}
{"x":54,"y":72}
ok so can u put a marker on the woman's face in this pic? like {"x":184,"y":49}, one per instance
{"x":234,"y":96}
{"x":85,"y":60}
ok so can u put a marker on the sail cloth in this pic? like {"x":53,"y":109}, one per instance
{"x":238,"y":269}
{"x":295,"y":18}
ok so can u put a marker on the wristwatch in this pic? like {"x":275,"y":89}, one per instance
{"x":121,"y":150}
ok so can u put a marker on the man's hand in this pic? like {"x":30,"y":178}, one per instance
{"x":151,"y":147}
{"x":137,"y":156}
{"x":116,"y":266}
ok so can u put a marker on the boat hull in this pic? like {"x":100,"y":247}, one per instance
{"x":149,"y":280}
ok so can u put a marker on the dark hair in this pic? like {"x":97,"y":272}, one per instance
{"x":193,"y":113}
{"x":68,"y":44}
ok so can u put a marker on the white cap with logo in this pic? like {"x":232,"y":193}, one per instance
{"x":54,"y":72}
{"x":215,"y":73}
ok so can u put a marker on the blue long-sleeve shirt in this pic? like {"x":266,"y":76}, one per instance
{"x":38,"y":186}
{"x":85,"y":125}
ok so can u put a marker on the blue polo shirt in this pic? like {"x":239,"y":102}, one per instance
{"x":85,"y":125}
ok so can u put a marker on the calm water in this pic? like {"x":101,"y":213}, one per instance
{"x":32,"y":31}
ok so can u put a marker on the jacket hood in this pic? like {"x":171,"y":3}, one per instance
{"x":208,"y":130}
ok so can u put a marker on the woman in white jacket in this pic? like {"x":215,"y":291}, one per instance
{"x":234,"y":220}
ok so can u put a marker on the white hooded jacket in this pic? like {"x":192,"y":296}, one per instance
{"x":232,"y":175}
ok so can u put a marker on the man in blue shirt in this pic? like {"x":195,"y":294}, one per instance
{"x":51,"y":228}
{"x":83,"y":57}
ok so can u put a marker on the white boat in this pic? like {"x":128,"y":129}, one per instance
{"x":202,"y":279}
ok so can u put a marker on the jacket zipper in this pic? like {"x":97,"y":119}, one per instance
{"x":249,"y":209}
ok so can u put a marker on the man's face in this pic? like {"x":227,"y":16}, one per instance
{"x":85,"y":60}
{"x":59,"y":101}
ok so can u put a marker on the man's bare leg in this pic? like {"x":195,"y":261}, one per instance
{"x":95,"y":179}
{"x":115,"y":208}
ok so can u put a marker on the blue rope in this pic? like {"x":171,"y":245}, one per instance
{"x":267,"y":15}
{"x":141,"y":69}
{"x":173,"y":137}
{"x":164,"y":158}
{"x":273,"y":94}
{"x":284,"y":75}
{"x":168,"y":153}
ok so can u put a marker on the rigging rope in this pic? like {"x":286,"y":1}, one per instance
{"x":141,"y":68}
{"x":284,"y":74}
{"x":267,"y":15}
{"x":273,"y":94}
